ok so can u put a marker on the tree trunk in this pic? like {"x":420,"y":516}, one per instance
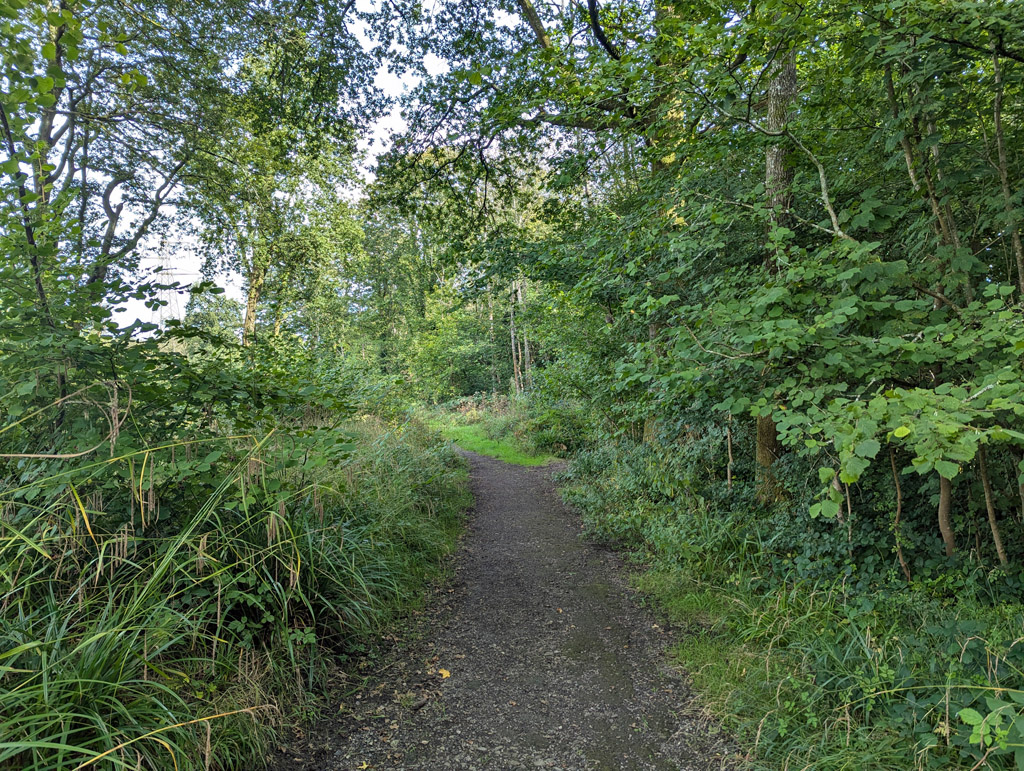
{"x":945,"y":504}
{"x":516,"y":376}
{"x":525,"y":355}
{"x":778,"y":172}
{"x":990,"y":507}
{"x":778,"y":179}
{"x":252,"y":298}
{"x":490,"y":337}
{"x":767,"y":451}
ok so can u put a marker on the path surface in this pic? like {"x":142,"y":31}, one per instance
{"x":551,"y":662}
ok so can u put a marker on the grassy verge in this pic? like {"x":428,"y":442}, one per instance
{"x":475,"y":439}
{"x":502,"y":428}
{"x":186,"y":636}
{"x":829,"y":673}
{"x":809,"y":678}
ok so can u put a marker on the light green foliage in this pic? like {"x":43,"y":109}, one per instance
{"x":474,"y":439}
{"x":484,"y":426}
{"x":524,"y":430}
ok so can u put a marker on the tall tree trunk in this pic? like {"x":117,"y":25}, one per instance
{"x":945,"y":505}
{"x":778,"y":190}
{"x":990,"y":507}
{"x":490,"y":336}
{"x":525,"y":355}
{"x":252,"y":298}
{"x":517,"y":382}
{"x":778,"y":173}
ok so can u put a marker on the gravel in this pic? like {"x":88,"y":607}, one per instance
{"x":536,"y":656}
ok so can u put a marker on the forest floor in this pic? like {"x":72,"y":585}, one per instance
{"x":536,"y":655}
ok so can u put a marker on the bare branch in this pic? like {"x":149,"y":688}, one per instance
{"x":595,"y":25}
{"x":535,"y":23}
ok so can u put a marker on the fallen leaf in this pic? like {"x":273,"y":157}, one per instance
{"x":444,"y":673}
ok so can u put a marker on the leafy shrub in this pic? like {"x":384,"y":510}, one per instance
{"x":560,"y":429}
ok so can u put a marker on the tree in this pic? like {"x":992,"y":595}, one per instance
{"x":823,"y":261}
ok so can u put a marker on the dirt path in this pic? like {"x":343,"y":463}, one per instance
{"x":551,"y":662}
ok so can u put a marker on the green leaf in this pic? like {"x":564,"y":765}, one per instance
{"x":475,"y":78}
{"x":970,"y":716}
{"x":49,"y":52}
{"x":947,"y":469}
{"x":18,"y":95}
{"x":868,"y":448}
{"x":212,"y":457}
{"x":901,"y":431}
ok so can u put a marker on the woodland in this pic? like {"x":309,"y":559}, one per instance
{"x":755,"y":269}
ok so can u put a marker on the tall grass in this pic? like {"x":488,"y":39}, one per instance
{"x":187,"y":642}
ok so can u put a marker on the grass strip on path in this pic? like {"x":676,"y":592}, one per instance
{"x":474,"y":439}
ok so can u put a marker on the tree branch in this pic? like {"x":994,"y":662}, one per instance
{"x":937,"y":296}
{"x":535,"y":23}
{"x":26,"y":218}
{"x":595,"y":25}
{"x":568,"y":121}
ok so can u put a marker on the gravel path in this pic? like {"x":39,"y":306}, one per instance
{"x":538,"y":656}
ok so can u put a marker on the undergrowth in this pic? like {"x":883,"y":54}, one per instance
{"x":514,"y":429}
{"x":140,"y":636}
{"x":475,"y":439}
{"x":808,"y":669}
